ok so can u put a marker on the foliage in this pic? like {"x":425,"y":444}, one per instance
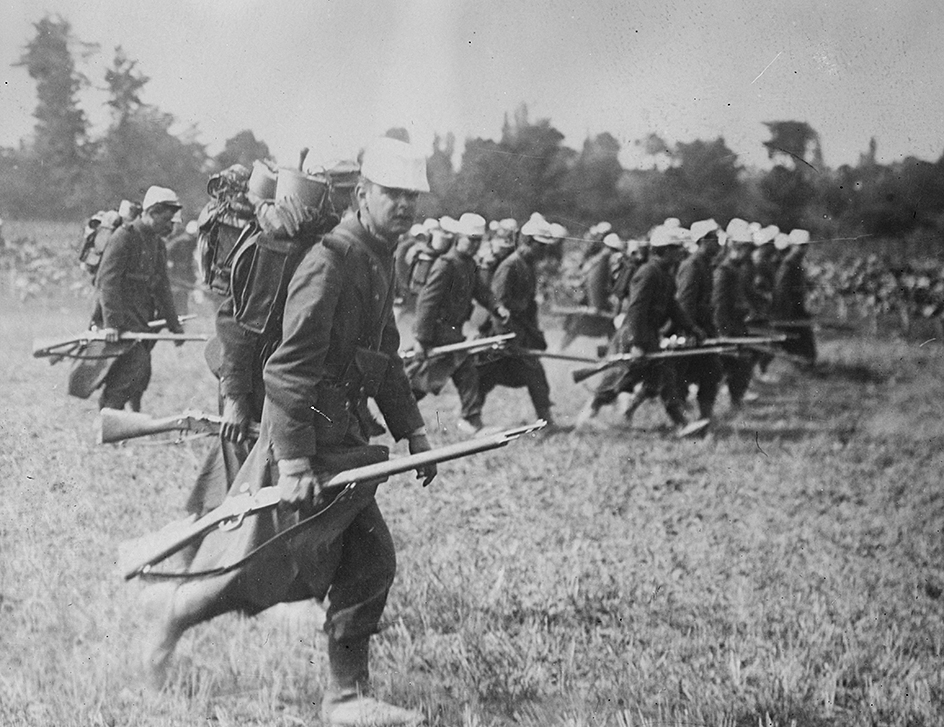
{"x":54,"y":167}
{"x":243,"y":149}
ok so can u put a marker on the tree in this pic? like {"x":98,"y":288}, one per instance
{"x":794,"y":142}
{"x":243,"y":149}
{"x":790,"y":188}
{"x":589,"y":187}
{"x":139,"y":147}
{"x":704,"y":181}
{"x":56,"y":160}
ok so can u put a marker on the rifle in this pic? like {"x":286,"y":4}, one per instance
{"x":744,"y":340}
{"x":779,"y":353}
{"x":139,"y":555}
{"x":114,"y":425}
{"x":817,"y":323}
{"x":580,"y":310}
{"x":628,"y":359}
{"x":475,"y":345}
{"x":71,"y":346}
{"x":555,"y":356}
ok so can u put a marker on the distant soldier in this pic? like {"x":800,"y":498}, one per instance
{"x":652,"y":305}
{"x":730,"y":306}
{"x":764,"y":272}
{"x":694,"y":295}
{"x":132,"y":290}
{"x":443,"y":305}
{"x":596,"y":276}
{"x":789,"y":298}
{"x":514,"y":290}
{"x":635,"y":256}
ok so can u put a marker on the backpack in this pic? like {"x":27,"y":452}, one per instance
{"x":98,"y":230}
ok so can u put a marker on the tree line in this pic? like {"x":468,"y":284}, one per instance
{"x":63,"y":172}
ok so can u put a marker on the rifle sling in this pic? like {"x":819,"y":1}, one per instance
{"x":281,"y":535}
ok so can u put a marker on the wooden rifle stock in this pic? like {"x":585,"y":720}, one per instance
{"x":136,"y":557}
{"x":67,"y":347}
{"x":114,"y":425}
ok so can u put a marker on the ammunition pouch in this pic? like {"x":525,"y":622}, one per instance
{"x":372,"y":367}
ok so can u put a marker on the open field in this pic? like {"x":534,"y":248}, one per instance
{"x":789,"y":569}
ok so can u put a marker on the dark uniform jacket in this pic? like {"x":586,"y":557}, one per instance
{"x":652,"y":304}
{"x":694,"y":284}
{"x":515,"y":286}
{"x":132,"y":282}
{"x":339,"y":306}
{"x":597,"y":282}
{"x":728,"y":301}
{"x":790,"y":289}
{"x":445,"y":302}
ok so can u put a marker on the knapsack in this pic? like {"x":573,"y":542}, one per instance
{"x":98,"y":230}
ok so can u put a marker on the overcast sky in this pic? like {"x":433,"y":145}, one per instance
{"x":330,"y":74}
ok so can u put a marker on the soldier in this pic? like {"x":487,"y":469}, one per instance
{"x":443,"y":306}
{"x":730,"y":306}
{"x":652,"y":305}
{"x":764,"y":272}
{"x":596,"y":275}
{"x":635,"y":256}
{"x":514,"y":290}
{"x":789,"y":298}
{"x":133,"y":289}
{"x":339,"y":338}
{"x":694,"y":283}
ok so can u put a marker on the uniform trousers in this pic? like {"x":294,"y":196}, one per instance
{"x":127,"y":378}
{"x":515,"y":372}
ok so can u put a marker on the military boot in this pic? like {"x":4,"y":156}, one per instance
{"x":346,"y":701}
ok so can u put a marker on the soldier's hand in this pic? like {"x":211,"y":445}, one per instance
{"x":699,"y":334}
{"x":637,"y":352}
{"x":504,"y":315}
{"x":236,"y":417}
{"x":618,"y":320}
{"x":298,"y":484}
{"x":420,"y":352}
{"x":112,"y":335}
{"x":419,"y":443}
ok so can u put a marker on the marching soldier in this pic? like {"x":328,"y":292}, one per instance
{"x":694,"y":282}
{"x":730,"y":306}
{"x":133,"y":288}
{"x":652,"y":305}
{"x":339,"y":339}
{"x":514,"y":290}
{"x":443,"y":306}
{"x":789,"y":298}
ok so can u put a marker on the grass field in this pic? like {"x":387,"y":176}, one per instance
{"x":788,"y":569}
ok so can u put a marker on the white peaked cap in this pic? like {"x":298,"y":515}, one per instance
{"x":613,"y":240}
{"x":739,"y":231}
{"x":671,"y":222}
{"x":431,"y":223}
{"x":702,"y":228}
{"x":799,"y":237}
{"x":124,"y":209}
{"x":395,"y":164}
{"x":755,"y":226}
{"x":493,"y":226}
{"x":192,"y":228}
{"x":448,"y":224}
{"x":601,"y":228}
{"x":536,"y":224}
{"x":509,"y":224}
{"x":663,"y":236}
{"x":469,"y":225}
{"x":765,"y":235}
{"x":418,"y":230}
{"x":558,"y":231}
{"x":782,"y":241}
{"x":160,"y":195}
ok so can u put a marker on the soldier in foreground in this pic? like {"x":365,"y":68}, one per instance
{"x":132,"y":289}
{"x":339,"y":338}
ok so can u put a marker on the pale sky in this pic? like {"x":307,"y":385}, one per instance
{"x":330,"y":74}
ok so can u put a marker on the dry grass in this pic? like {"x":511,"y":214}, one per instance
{"x":785,"y":570}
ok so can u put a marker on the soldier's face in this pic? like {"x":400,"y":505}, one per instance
{"x":161,"y":219}
{"x":389,"y":211}
{"x":468,"y":245}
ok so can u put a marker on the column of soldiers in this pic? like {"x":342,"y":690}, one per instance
{"x":306,"y":333}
